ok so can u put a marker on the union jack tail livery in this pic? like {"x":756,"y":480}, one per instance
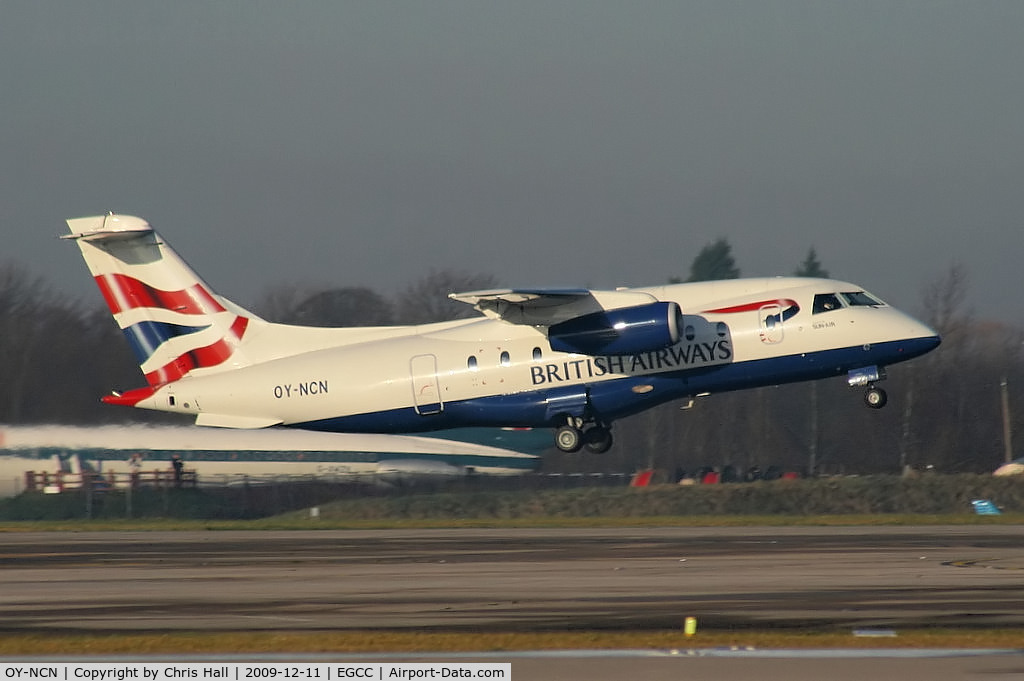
{"x":173,"y":322}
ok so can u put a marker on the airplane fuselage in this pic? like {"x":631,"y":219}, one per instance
{"x":735,"y":334}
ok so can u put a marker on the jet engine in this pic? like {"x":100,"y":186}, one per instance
{"x":623,"y":331}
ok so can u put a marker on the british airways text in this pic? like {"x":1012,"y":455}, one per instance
{"x":675,"y":357}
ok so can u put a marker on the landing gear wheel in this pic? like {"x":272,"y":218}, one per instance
{"x":875,"y":397}
{"x":569,"y":439}
{"x":598,"y":439}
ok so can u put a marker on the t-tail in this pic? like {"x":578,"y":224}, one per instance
{"x":174,"y":323}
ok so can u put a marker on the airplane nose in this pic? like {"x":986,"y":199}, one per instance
{"x":921,"y":340}
{"x":929,"y":343}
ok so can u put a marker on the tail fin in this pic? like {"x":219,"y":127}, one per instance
{"x":173,"y":321}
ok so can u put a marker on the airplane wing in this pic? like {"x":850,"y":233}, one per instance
{"x":546,"y":307}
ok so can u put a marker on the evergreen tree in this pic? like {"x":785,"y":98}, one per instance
{"x":714,"y":262}
{"x":811,"y":267}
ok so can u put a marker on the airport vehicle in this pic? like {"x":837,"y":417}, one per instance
{"x":571,"y":359}
{"x":224,"y":456}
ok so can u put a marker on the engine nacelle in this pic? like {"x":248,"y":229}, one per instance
{"x":625,"y":331}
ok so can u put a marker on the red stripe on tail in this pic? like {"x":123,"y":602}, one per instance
{"x":126,"y":293}
{"x":208,"y":356}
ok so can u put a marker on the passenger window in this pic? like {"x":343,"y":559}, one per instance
{"x":825,"y":302}
{"x":505,"y":359}
{"x":536,"y":354}
{"x":472,"y":364}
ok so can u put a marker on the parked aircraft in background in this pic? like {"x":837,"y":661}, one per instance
{"x":1015,"y":467}
{"x":570,"y":359}
{"x":222,"y":456}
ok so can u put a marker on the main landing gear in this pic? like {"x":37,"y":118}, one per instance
{"x":572,"y":437}
{"x":874,"y":396}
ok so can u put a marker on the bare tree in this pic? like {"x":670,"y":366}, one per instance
{"x":944,"y":305}
{"x":325,"y":305}
{"x":280,"y":302}
{"x":25,"y":305}
{"x":348,"y":306}
{"x":426,"y":299}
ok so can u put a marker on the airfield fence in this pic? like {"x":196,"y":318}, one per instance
{"x":158,"y":493}
{"x":56,"y":483}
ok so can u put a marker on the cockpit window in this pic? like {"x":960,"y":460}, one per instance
{"x":825,"y":302}
{"x":861,"y":298}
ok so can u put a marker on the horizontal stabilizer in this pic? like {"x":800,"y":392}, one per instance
{"x":107,"y":227}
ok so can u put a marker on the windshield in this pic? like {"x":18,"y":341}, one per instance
{"x":825,"y":302}
{"x":856,"y":298}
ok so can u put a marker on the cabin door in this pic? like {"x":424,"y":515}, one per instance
{"x":426,"y":392}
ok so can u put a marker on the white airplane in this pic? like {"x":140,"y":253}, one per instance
{"x":574,"y":360}
{"x":220,"y":456}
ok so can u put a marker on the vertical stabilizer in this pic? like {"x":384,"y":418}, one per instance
{"x":174,"y":323}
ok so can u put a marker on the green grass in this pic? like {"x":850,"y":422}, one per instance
{"x":891,"y":498}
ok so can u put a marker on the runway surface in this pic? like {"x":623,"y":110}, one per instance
{"x":511,"y":579}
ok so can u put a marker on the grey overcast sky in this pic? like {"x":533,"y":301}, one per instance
{"x":575,"y":143}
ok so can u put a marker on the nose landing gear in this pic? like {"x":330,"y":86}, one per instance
{"x":874,"y":396}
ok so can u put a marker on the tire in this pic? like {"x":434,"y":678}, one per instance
{"x":568,"y":439}
{"x":875,"y":398}
{"x":598,"y":440}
